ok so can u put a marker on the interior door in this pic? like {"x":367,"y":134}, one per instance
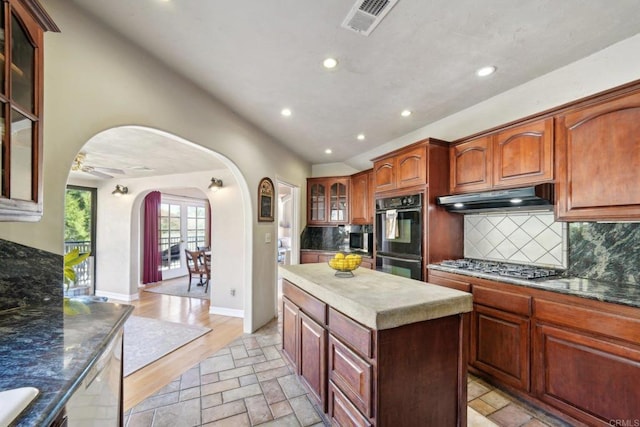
{"x":183,"y":225}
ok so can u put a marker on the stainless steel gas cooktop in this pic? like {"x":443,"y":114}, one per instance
{"x":520,"y":271}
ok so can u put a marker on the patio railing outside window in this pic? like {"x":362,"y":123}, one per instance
{"x":84,"y":271}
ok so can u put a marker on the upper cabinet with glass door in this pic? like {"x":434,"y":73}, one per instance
{"x":22,"y":25}
{"x":327,"y":200}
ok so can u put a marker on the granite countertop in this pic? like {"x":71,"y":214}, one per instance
{"x":613,"y":292}
{"x":376,"y":299}
{"x":44,"y":348}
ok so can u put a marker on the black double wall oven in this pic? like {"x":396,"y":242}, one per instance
{"x":399,"y":235}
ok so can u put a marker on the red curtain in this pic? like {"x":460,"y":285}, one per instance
{"x":151,"y":249}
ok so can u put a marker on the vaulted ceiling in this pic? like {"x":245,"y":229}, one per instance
{"x":259,"y":57}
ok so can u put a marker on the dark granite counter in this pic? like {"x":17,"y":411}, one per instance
{"x":613,"y":292}
{"x":44,"y":348}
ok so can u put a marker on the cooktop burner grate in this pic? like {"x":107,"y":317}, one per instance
{"x":502,"y":269}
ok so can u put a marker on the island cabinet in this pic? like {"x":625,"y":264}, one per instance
{"x":328,"y":201}
{"x":513,"y":157}
{"x":362,"y":374}
{"x":304,"y":338}
{"x":597,"y":160}
{"x":362,"y":208}
{"x":575,"y":357}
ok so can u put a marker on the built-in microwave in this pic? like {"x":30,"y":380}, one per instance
{"x":361,"y":241}
{"x":361,"y":238}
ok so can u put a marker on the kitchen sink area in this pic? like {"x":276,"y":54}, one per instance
{"x":14,"y":401}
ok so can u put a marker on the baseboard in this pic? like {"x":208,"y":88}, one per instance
{"x":117,"y":296}
{"x":224,"y":311}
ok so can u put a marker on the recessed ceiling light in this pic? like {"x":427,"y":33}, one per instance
{"x":330,"y":63}
{"x":405,"y":113}
{"x":516,"y":201}
{"x":458,"y":205}
{"x":285,"y":112}
{"x":360,"y":137}
{"x":328,"y":151}
{"x":485,"y":71}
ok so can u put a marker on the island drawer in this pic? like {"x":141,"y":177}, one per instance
{"x":342,"y":411}
{"x":358,"y":336}
{"x":312,"y":306}
{"x":507,"y":301}
{"x":351,"y":374}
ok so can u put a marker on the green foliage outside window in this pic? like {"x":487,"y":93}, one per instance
{"x":77,"y":221}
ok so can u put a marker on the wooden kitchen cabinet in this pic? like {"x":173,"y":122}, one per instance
{"x":523,"y":155}
{"x":21,"y":99}
{"x":304,"y":338}
{"x":575,"y":357}
{"x":328,"y":201}
{"x":598,"y":160}
{"x":471,"y":166}
{"x":500,"y":335}
{"x":367,"y":379}
{"x":587,"y":361}
{"x":403,"y":168}
{"x":513,"y":157}
{"x":362,"y":204}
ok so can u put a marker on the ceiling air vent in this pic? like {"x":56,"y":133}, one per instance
{"x":365,"y":15}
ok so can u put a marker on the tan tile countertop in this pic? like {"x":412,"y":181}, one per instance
{"x":375,"y":299}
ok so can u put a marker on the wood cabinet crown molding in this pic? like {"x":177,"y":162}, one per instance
{"x":40,"y":15}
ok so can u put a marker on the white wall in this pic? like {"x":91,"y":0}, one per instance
{"x":616,"y":65}
{"x":95,"y":80}
{"x":333,"y":169}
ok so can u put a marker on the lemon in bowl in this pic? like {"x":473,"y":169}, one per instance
{"x":345,"y":264}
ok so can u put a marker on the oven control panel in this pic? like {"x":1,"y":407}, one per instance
{"x":410,"y":201}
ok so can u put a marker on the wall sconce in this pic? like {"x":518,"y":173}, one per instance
{"x":120,"y":190}
{"x":215,"y":185}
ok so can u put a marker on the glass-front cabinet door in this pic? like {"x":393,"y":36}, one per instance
{"x":317,"y":202}
{"x":338,"y":202}
{"x":327,"y":200}
{"x":22,"y":23}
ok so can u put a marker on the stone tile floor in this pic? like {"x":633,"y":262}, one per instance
{"x":248,"y":383}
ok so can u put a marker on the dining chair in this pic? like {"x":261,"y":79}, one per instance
{"x":207,"y":268}
{"x":196,"y":266}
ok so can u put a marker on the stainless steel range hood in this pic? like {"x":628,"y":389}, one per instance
{"x":539,"y":197}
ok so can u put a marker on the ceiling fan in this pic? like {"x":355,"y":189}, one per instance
{"x":102,"y":172}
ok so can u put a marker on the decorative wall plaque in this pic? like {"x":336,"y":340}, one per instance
{"x":265,"y":200}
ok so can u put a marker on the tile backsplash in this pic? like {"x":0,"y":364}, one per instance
{"x":520,"y":237}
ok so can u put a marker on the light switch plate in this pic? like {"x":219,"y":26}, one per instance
{"x":267,"y":238}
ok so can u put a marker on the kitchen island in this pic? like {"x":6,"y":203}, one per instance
{"x":377,"y":349}
{"x":59,"y":353}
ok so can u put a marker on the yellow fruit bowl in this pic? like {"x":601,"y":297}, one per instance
{"x":345,"y":264}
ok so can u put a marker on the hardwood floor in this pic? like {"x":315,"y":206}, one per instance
{"x":192,"y":311}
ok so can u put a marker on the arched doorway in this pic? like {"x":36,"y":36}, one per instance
{"x":185,"y":164}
